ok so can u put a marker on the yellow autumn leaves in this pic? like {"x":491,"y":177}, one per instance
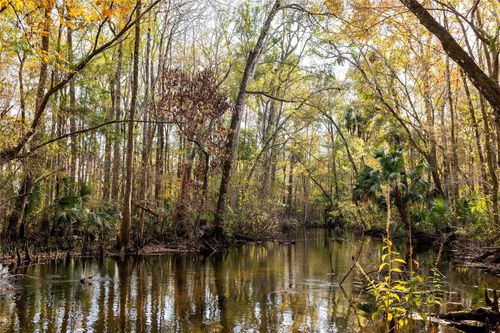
{"x":71,"y":12}
{"x":95,"y":12}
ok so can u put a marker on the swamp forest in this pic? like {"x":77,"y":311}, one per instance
{"x":249,"y":166}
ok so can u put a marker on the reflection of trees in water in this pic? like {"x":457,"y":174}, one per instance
{"x":198,"y":298}
{"x":268,"y":287}
{"x":123,"y":275}
{"x":21,"y":301}
{"x":220,"y":281}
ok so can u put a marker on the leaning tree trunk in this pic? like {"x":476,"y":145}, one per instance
{"x":233,"y":134}
{"x":127,"y":200}
{"x":488,"y":87}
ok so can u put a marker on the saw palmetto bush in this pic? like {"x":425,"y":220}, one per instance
{"x":77,"y":218}
{"x":407,"y":186}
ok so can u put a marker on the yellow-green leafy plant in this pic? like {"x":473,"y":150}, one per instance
{"x":399,"y":291}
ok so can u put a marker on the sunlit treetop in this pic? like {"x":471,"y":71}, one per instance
{"x":26,"y":22}
{"x":31,"y":16}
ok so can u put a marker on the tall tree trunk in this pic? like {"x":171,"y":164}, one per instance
{"x":206,"y":169}
{"x":234,"y":129}
{"x":129,"y":181}
{"x":52,"y":161}
{"x":159,"y":163}
{"x":401,"y":203}
{"x":269,"y":154}
{"x":491,"y":57}
{"x":146,"y":142}
{"x":22,"y":97}
{"x":477,"y":136}
{"x":491,"y":162}
{"x":336,"y":177}
{"x":72,"y":108}
{"x":106,"y":186}
{"x":115,"y":174}
{"x":444,"y":144}
{"x":305,"y":183}
{"x":454,"y":157}
{"x":289,"y":201}
{"x":431,"y":124}
{"x":182,"y":206}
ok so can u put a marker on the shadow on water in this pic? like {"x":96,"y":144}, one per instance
{"x":269,"y":287}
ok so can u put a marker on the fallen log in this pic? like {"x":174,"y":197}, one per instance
{"x":482,"y":315}
{"x":470,"y":326}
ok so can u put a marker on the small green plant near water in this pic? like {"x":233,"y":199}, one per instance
{"x":399,"y":293}
{"x":387,"y":291}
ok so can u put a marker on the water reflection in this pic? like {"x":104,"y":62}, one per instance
{"x":255,"y":288}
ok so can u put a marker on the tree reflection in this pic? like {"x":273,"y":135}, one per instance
{"x":267,"y":288}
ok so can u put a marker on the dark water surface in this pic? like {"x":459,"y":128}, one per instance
{"x":267,"y":287}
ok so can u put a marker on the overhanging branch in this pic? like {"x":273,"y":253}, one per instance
{"x":85,"y":130}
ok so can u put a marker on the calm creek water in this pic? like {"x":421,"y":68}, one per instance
{"x":268,"y":287}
